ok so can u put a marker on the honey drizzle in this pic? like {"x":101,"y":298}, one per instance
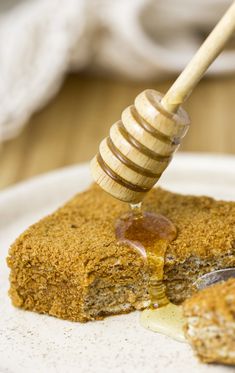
{"x":150,"y":234}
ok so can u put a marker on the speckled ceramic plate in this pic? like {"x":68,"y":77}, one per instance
{"x":34,"y":343}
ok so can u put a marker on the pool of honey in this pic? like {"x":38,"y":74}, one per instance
{"x":150,"y":233}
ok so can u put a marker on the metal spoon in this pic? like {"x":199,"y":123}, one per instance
{"x":213,"y":277}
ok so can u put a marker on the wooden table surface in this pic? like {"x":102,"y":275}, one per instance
{"x":69,"y":129}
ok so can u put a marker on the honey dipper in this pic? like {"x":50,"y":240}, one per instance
{"x":140,"y":145}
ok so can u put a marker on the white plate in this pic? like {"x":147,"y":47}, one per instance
{"x":34,"y":343}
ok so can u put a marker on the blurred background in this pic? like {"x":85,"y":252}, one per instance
{"x":69,"y":67}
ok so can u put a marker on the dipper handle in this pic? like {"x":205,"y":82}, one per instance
{"x":206,"y":54}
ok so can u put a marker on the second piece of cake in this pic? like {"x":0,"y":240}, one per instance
{"x":210,"y":327}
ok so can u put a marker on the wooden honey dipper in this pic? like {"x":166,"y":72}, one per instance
{"x":140,"y":145}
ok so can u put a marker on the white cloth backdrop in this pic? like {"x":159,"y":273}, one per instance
{"x":40,"y":40}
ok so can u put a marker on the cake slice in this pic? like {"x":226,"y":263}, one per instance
{"x":69,"y":264}
{"x":210,"y":327}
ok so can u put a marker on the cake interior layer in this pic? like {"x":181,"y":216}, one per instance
{"x":102,"y":299}
{"x":179,"y":278}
